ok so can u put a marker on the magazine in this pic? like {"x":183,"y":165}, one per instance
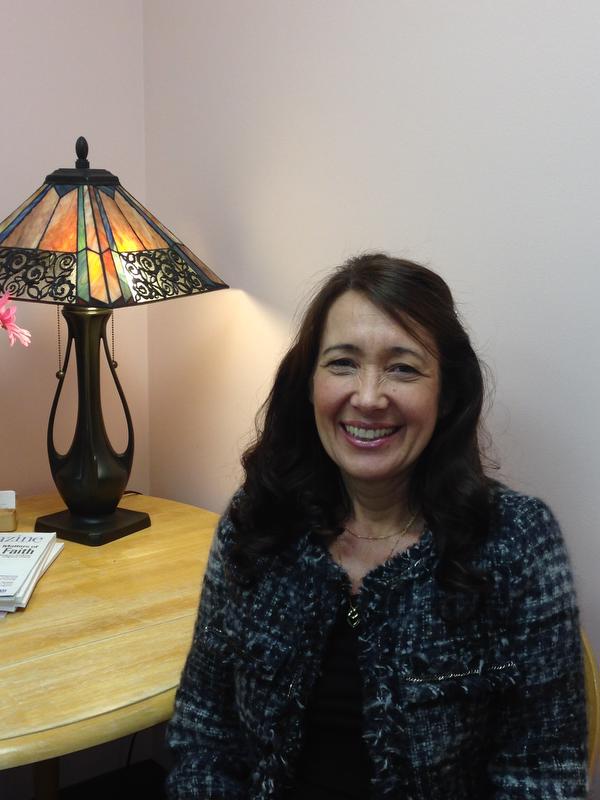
{"x":24,"y":557}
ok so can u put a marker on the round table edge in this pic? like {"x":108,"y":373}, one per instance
{"x":82,"y":734}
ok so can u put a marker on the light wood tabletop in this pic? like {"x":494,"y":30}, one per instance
{"x":98,"y":651}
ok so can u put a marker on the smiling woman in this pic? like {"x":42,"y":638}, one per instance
{"x":379,"y":618}
{"x":375,"y":394}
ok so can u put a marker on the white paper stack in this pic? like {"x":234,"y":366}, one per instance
{"x":8,"y":512}
{"x":24,"y":557}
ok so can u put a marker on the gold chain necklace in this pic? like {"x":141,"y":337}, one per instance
{"x":352,"y":615}
{"x":388,"y":535}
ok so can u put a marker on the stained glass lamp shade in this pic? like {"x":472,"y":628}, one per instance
{"x":91,"y":243}
{"x":84,"y":242}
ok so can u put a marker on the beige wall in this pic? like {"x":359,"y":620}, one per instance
{"x":283,"y":136}
{"x":69,"y":69}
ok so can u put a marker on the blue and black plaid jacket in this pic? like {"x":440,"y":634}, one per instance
{"x":462,"y":700}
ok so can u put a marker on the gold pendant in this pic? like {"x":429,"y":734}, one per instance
{"x":353,"y":617}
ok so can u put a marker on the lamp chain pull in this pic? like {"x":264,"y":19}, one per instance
{"x":112,"y":340}
{"x":60,"y":374}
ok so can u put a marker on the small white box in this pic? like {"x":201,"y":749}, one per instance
{"x":8,"y":511}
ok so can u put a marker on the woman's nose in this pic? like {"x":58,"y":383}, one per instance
{"x":369,"y":393}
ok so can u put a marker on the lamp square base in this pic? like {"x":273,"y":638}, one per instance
{"x":93,"y":531}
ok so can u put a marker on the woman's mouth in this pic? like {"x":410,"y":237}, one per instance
{"x":369,"y":434}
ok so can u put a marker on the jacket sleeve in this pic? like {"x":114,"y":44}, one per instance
{"x":540,"y":746}
{"x":203,"y":734}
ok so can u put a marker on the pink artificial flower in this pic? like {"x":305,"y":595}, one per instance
{"x":7,"y":321}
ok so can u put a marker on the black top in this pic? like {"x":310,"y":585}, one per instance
{"x":334,"y":763}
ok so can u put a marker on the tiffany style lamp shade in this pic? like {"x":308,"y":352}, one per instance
{"x":83,"y":242}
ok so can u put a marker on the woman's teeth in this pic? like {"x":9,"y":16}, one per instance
{"x":369,"y":433}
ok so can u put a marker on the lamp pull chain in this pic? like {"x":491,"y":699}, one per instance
{"x":60,"y":374}
{"x":112,"y":340}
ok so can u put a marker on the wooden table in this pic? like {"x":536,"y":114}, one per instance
{"x":97,"y":654}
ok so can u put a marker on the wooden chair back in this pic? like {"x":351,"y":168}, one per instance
{"x":592,"y":695}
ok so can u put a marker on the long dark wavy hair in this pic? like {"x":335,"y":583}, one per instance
{"x":291,"y":485}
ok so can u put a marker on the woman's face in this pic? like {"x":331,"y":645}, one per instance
{"x":375,"y":393}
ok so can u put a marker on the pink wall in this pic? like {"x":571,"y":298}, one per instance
{"x":277,"y":138}
{"x":68,"y":70}
{"x":285,"y":136}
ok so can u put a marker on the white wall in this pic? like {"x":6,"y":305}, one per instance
{"x":70,"y":69}
{"x":284,"y":136}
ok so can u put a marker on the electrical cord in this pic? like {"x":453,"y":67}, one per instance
{"x":130,"y":752}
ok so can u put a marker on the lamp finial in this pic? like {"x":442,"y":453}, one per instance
{"x":81,"y":149}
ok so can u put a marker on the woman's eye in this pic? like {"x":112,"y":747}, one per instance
{"x":340,"y":364}
{"x":405,"y":370}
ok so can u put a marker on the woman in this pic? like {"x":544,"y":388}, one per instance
{"x":379,"y":619}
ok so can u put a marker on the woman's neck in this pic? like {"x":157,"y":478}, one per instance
{"x":379,"y":509}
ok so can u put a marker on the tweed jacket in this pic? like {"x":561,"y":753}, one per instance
{"x":462,"y":700}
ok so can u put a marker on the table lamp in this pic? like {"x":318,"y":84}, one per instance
{"x":83,"y":242}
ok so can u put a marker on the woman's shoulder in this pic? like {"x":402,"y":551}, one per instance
{"x":225,"y":527}
{"x":522,"y":526}
{"x":222,"y":542}
{"x":511,"y":505}
{"x":226,"y":546}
